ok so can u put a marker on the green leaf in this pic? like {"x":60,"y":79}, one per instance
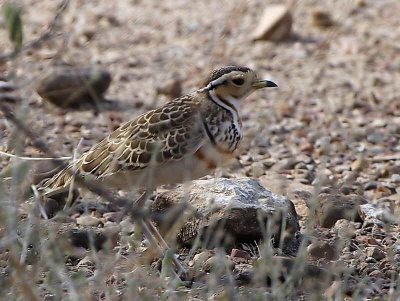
{"x":13,"y":22}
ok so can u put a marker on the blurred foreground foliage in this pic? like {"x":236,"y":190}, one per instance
{"x":13,"y":23}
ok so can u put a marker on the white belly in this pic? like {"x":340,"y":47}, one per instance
{"x":186,"y":169}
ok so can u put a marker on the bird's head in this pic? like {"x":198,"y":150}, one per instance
{"x":234,"y":83}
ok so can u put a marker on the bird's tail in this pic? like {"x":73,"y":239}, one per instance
{"x":60,"y":182}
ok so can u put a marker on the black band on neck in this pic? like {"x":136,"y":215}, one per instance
{"x":210,"y":136}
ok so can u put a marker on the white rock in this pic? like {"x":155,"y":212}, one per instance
{"x":395,"y":178}
{"x":377,"y":215}
{"x":199,"y":259}
{"x":236,"y":206}
{"x":88,"y":221}
{"x":127,"y":227}
{"x":275,"y":24}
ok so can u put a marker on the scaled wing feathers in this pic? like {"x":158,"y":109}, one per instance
{"x":159,"y":136}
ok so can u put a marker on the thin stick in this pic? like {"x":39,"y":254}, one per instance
{"x":37,"y":198}
{"x":33,"y":158}
{"x":72,"y":184}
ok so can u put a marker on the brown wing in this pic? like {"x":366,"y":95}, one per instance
{"x":161,"y":135}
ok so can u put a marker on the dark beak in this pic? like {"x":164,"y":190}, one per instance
{"x":264,"y":84}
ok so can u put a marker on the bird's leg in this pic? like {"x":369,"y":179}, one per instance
{"x":153,"y":242}
{"x":164,"y":245}
{"x":154,"y":237}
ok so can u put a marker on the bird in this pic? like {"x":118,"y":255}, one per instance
{"x":184,"y":139}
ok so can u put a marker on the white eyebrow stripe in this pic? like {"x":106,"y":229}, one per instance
{"x":218,"y":81}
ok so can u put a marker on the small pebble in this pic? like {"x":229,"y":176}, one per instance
{"x":88,"y":221}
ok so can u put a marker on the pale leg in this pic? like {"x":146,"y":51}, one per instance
{"x":154,"y":237}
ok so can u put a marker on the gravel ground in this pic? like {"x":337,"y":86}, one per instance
{"x":333,"y":124}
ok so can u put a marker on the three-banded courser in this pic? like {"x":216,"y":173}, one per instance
{"x":184,"y":139}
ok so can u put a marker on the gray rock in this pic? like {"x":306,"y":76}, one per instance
{"x":171,"y":88}
{"x":322,"y":19}
{"x":243,"y":273}
{"x":199,"y":259}
{"x":345,"y":229}
{"x":57,"y":202}
{"x":196,"y":266}
{"x":377,"y":215}
{"x":66,"y":235}
{"x":330,"y":208}
{"x":371,"y":185}
{"x":257,"y":169}
{"x":228,"y":211}
{"x":6,"y":87}
{"x":240,"y":256}
{"x":376,"y":253}
{"x":395,"y":178}
{"x":127,"y":227}
{"x":7,"y":94}
{"x":218,"y":261}
{"x":322,"y":250}
{"x":73,"y":86}
{"x":5,"y":277}
{"x":88,"y":221}
{"x":280,"y":268}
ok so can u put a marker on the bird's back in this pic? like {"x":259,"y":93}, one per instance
{"x":155,"y":145}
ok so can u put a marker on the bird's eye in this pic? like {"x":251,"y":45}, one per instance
{"x":238,"y":81}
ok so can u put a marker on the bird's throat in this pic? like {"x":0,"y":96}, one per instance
{"x":228,"y":103}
